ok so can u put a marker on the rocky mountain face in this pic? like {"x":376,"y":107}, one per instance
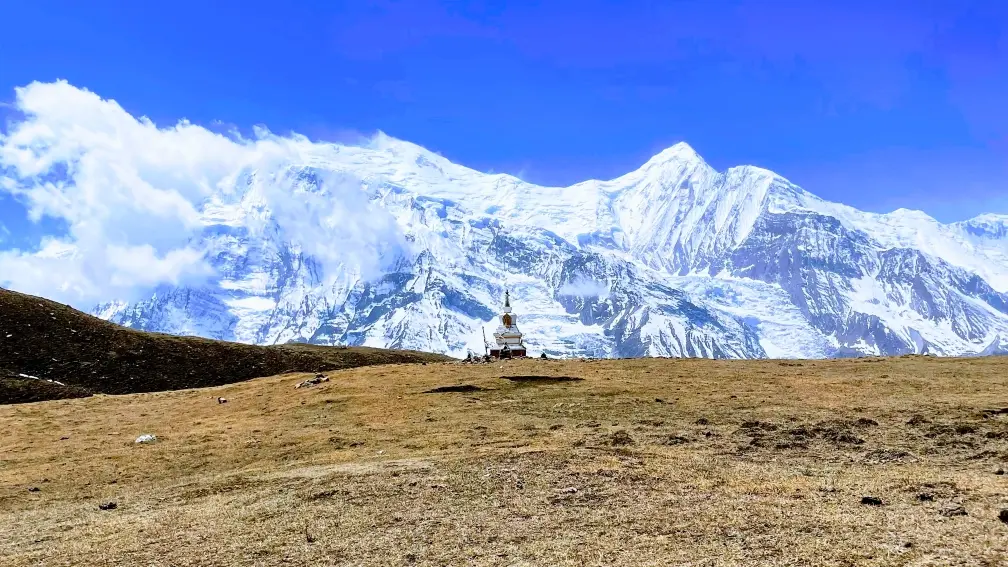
{"x":674,"y":259}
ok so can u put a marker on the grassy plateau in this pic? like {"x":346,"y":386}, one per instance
{"x":527,"y":462}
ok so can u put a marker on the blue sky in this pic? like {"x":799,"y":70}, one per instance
{"x":880,"y":104}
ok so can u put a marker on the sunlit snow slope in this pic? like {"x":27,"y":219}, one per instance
{"x":674,"y":259}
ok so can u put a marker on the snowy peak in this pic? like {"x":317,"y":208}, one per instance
{"x":680,"y":215}
{"x":405,"y":153}
{"x":987,"y":226}
{"x":665,"y":171}
{"x":673,"y":259}
{"x":910,"y":215}
{"x":678,"y":154}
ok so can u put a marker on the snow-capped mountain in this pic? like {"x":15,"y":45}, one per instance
{"x":673,"y":259}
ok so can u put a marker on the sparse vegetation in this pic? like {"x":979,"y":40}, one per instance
{"x":743,"y":463}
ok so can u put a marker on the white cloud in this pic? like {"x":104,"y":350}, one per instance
{"x":133,"y":195}
{"x":583,"y":287}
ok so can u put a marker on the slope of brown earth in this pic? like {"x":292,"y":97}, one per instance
{"x":631,"y":462}
{"x":52,"y":341}
{"x":17,"y":389}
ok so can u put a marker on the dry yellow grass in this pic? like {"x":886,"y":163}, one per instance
{"x":740,"y":463}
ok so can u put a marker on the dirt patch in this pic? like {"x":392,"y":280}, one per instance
{"x":939,"y":430}
{"x":755,"y":426}
{"x":541,"y":380}
{"x":455,"y":388}
{"x":620,"y":439}
{"x":340,"y":443}
{"x":767,"y":434}
{"x":952,"y":509}
{"x":836,"y":432}
{"x":883,"y":456}
{"x":929,"y":491}
{"x":676,"y":440}
{"x":991,"y":412}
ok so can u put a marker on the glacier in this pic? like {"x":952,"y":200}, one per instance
{"x":675,"y":259}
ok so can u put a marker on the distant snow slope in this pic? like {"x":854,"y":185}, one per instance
{"x":673,"y":259}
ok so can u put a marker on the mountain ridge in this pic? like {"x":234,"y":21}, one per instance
{"x":659,"y":251}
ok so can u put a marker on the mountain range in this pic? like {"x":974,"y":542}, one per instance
{"x":673,"y":259}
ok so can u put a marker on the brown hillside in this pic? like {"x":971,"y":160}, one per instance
{"x":52,"y":341}
{"x":16,"y":389}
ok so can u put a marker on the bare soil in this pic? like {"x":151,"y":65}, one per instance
{"x":634,"y":462}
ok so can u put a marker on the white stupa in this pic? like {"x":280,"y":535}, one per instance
{"x":507,"y":336}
